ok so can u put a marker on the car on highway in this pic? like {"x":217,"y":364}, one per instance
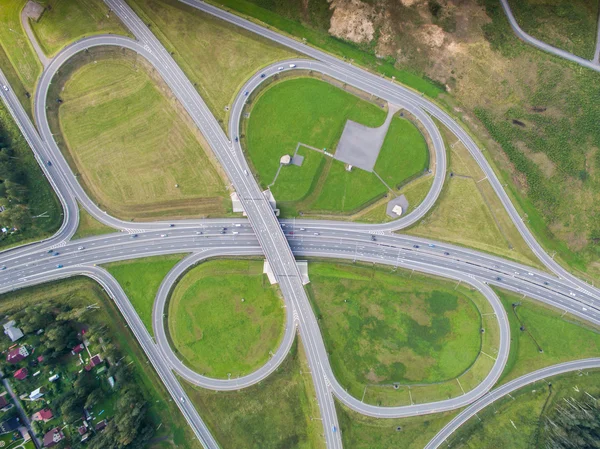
{"x":292,"y":66}
{"x":572,"y":294}
{"x":163,"y":235}
{"x":373,"y":238}
{"x":446,"y":253}
{"x":49,"y":163}
{"x":263,"y":75}
{"x":50,"y":251}
{"x":223,"y":232}
{"x":5,"y":87}
{"x":171,"y":225}
{"x":3,"y":267}
{"x":237,"y":139}
{"x":431,"y":245}
{"x":546,"y":283}
{"x":56,"y":253}
{"x":316,"y":233}
{"x":246,"y":172}
{"x":280,"y":68}
{"x":415,"y":246}
{"x":498,"y":278}
{"x":246,"y":93}
{"x":133,"y":236}
{"x":80,"y":248}
{"x":182,"y":400}
{"x":59,"y":266}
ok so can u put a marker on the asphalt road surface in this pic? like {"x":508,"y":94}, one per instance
{"x":263,"y":234}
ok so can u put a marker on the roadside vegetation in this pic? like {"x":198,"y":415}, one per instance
{"x":571,"y":25}
{"x":18,"y":61}
{"x":534,"y":326}
{"x":312,"y":113}
{"x":278,"y":412}
{"x":397,"y":337}
{"x":30,"y":209}
{"x":468,"y":211}
{"x":529,"y":417}
{"x":65,"y":21}
{"x":136,"y":410}
{"x":88,"y":226}
{"x":140,"y":279}
{"x":132,"y":146}
{"x":363,"y":432}
{"x":224,"y":318}
{"x":216,"y":56}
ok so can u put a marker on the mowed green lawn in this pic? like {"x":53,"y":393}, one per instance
{"x":136,"y":153}
{"x":312,"y":112}
{"x":216,"y":56}
{"x":140,"y":279}
{"x":382,"y":328}
{"x":403,"y":155}
{"x":561,"y":336}
{"x":276,"y":413}
{"x":65,"y":21}
{"x":224,"y":317}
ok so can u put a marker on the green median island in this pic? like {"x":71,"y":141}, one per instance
{"x":293,"y":130}
{"x":224,"y":318}
{"x":132,"y":146}
{"x":396,"y":337}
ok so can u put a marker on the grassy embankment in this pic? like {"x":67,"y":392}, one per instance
{"x":65,"y":21}
{"x":88,"y":226}
{"x":517,"y":421}
{"x":279,"y":412}
{"x":312,"y":112}
{"x":224,"y":318}
{"x":140,"y":279}
{"x":132,"y":146}
{"x":400,"y":337}
{"x":468,"y":211}
{"x":570,"y":25}
{"x":81,"y":292}
{"x":561,"y":337}
{"x":216,"y":56}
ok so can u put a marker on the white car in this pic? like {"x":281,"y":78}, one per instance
{"x":5,"y":87}
{"x":80,"y":248}
{"x":292,"y":66}
{"x":280,"y":68}
{"x":163,"y":235}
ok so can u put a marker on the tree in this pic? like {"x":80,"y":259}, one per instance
{"x":573,"y":424}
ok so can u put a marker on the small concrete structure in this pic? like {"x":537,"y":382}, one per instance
{"x":302,"y":266}
{"x":396,"y":206}
{"x":236,"y":204}
{"x":285,"y":159}
{"x":297,"y":160}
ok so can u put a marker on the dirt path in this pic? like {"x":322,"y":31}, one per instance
{"x":33,"y":10}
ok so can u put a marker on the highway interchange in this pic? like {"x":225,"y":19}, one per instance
{"x":262,"y":233}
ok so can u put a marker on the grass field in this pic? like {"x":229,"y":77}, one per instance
{"x":515,"y":422}
{"x":133,"y":148}
{"x":404,"y":153}
{"x":65,"y":21}
{"x":468,"y":211}
{"x":224,"y":318}
{"x":363,"y":432}
{"x":81,"y":292}
{"x":140,"y":279}
{"x":19,"y":61}
{"x":384,"y":328}
{"x":312,"y":112}
{"x":42,"y":202}
{"x":276,"y":413}
{"x":89,"y":226}
{"x":562,"y":338}
{"x":571,"y":25}
{"x":216,"y":56}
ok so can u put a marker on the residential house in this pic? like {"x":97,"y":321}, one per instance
{"x":4,"y":404}
{"x":100,"y":426}
{"x":36,"y":394}
{"x":94,"y":361}
{"x":20,"y":374}
{"x":53,"y":437}
{"x":15,"y":355}
{"x":13,"y":332}
{"x":44,"y":415}
{"x":10,"y":425}
{"x":77,"y":349}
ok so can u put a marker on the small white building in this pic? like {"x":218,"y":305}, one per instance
{"x":14,"y":333}
{"x":397,"y":210}
{"x":36,"y":394}
{"x":285,"y":159}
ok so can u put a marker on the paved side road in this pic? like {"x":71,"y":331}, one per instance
{"x":22,"y":414}
{"x":547,"y":47}
{"x":500,"y":392}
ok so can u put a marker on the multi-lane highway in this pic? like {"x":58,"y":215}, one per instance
{"x":263,"y":234}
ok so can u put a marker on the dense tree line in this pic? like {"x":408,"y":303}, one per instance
{"x":13,"y":190}
{"x":572,"y":424}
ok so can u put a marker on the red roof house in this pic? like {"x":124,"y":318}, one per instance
{"x":77,"y":349}
{"x":15,"y":355}
{"x":96,"y":360}
{"x":20,"y":374}
{"x":53,"y":437}
{"x":44,"y":414}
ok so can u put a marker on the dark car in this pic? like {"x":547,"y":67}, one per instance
{"x":49,"y":164}
{"x":263,"y":75}
{"x":446,"y":253}
{"x":373,"y":238}
{"x":415,"y":246}
{"x":498,"y":278}
{"x":171,"y":225}
{"x":133,"y":236}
